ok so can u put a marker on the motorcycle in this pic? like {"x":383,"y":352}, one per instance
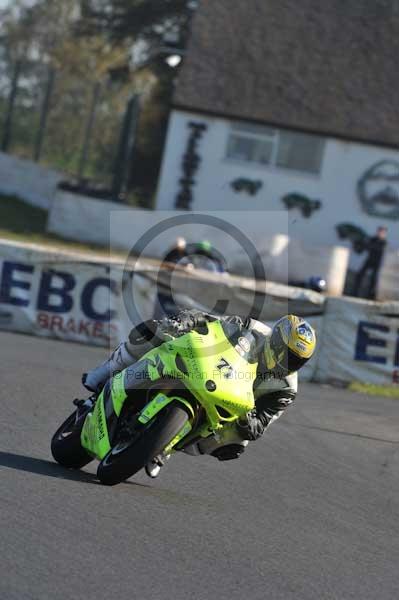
{"x":198,"y":385}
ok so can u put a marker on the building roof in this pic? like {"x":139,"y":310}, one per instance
{"x":329,"y":67}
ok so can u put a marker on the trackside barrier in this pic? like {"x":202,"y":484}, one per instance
{"x":360,"y":342}
{"x":27,"y":180}
{"x":44,"y":293}
{"x":79,"y":298}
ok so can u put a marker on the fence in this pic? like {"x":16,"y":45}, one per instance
{"x":84,"y":129}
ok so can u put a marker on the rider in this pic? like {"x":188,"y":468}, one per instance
{"x":197,"y":255}
{"x":282,"y":351}
{"x":200,"y":255}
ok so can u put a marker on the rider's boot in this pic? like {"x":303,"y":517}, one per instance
{"x":120,"y":359}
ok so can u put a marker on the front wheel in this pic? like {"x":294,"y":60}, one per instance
{"x":126,"y":459}
{"x":66,"y":447}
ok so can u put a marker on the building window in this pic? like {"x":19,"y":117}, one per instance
{"x":275,"y":147}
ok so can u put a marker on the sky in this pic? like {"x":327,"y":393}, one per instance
{"x":4,"y":3}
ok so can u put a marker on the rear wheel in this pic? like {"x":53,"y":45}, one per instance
{"x":66,"y":447}
{"x":127,"y":458}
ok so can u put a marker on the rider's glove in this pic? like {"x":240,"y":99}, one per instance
{"x":172,"y":326}
{"x":184,"y":322}
{"x":251,"y":428}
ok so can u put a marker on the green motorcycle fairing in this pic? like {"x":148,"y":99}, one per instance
{"x":94,"y":436}
{"x":215,"y":367}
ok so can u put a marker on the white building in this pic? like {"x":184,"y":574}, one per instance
{"x":289,"y":106}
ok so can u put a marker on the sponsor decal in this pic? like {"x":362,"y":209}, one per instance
{"x":100,"y":425}
{"x":225,"y":368}
{"x":379,"y":344}
{"x":305,"y":333}
{"x":244,"y":343}
{"x":58,"y":324}
{"x":70,"y":305}
{"x":56,"y":291}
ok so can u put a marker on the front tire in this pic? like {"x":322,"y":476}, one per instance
{"x":120,"y":464}
{"x":66,"y":447}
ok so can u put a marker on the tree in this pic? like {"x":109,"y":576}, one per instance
{"x":151,"y":26}
{"x":99,"y":52}
{"x":44,"y":37}
{"x":145,"y":20}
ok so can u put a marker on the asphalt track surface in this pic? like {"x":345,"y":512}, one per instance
{"x":311,"y":511}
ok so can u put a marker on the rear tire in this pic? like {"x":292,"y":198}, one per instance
{"x":66,"y":447}
{"x":116,"y":467}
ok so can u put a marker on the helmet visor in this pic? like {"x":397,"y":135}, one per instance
{"x":286,"y":359}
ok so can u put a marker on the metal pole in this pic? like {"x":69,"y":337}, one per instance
{"x":125,"y":147}
{"x":89,"y":129}
{"x":131,"y":143}
{"x":5,"y":143}
{"x":44,"y":114}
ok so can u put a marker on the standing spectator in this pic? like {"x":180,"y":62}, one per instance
{"x":372,"y":264}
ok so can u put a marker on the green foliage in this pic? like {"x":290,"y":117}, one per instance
{"x":148,"y":23}
{"x":137,"y":19}
{"x":109,"y":46}
{"x":22,"y":222}
{"x":18,"y":217}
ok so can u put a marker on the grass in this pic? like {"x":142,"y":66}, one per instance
{"x":22,"y":222}
{"x":389,"y":391}
{"x":17,"y":217}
